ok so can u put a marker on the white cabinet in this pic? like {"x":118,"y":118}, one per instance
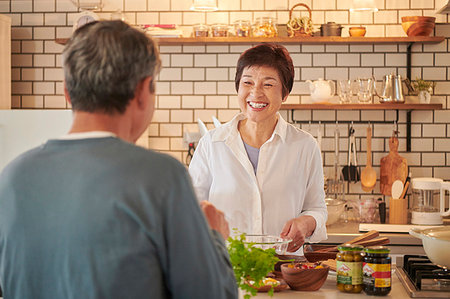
{"x":5,"y":62}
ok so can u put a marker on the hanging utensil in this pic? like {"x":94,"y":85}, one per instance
{"x":368,"y":175}
{"x":350,"y":172}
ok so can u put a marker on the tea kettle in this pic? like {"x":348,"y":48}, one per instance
{"x":321,"y":90}
{"x":392,"y":89}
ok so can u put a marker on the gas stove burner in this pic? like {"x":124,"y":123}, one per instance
{"x":422,"y":278}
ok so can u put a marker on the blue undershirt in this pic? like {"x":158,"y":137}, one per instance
{"x":253,"y":155}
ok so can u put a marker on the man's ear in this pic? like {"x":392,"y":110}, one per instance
{"x":66,"y":94}
{"x":143,"y":89}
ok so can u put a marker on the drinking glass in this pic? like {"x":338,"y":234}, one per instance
{"x":365,"y":90}
{"x":345,"y":91}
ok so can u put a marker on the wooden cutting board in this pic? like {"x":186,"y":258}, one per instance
{"x":392,"y":167}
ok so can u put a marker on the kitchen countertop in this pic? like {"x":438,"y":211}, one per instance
{"x":341,"y":232}
{"x":329,"y":291}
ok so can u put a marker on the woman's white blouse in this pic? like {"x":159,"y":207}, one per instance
{"x":288,"y":181}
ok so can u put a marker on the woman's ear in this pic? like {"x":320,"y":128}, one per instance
{"x":285,"y":98}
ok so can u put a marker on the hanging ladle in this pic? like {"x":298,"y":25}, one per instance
{"x":368,"y":175}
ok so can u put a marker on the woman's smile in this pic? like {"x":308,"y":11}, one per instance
{"x":257,"y":105}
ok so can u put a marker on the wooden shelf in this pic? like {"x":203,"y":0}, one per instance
{"x":292,"y":40}
{"x":384,"y":106}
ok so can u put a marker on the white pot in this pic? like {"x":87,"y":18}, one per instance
{"x":436,"y":243}
{"x":424,"y":97}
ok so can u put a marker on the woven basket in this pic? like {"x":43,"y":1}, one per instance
{"x":293,"y":27}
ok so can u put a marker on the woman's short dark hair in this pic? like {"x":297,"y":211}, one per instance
{"x":103,"y":64}
{"x":271,"y":55}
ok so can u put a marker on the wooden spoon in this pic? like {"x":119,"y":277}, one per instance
{"x":368,"y":175}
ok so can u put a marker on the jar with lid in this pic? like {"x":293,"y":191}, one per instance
{"x":349,"y":268}
{"x":219,"y":30}
{"x":242,"y":28}
{"x":377,"y":271}
{"x":265,"y":27}
{"x":201,"y":30}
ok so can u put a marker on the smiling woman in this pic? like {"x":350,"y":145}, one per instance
{"x":264,"y":173}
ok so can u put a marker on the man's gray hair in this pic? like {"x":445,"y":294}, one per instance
{"x":103,"y":64}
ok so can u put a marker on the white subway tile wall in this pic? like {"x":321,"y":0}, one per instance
{"x":197,"y":81}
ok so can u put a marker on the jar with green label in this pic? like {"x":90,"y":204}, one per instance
{"x":349,"y":268}
{"x":377,"y":271}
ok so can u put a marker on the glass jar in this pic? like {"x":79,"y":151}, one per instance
{"x":201,"y":30}
{"x":265,"y":27}
{"x":219,"y":30}
{"x":349,"y":268}
{"x":242,"y":28}
{"x":377,"y":271}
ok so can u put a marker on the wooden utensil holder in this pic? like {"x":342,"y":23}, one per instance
{"x":398,"y":211}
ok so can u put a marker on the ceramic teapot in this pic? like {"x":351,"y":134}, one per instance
{"x":321,"y":90}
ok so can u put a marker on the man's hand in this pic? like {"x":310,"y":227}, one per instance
{"x":298,"y":229}
{"x":215,"y":218}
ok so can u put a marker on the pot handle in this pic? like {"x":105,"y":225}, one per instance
{"x":416,"y":232}
{"x":445,"y":186}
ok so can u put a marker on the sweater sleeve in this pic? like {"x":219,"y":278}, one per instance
{"x":197,"y":259}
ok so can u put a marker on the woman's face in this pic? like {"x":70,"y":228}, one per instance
{"x":260,"y":93}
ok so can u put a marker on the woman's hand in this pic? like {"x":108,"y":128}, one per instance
{"x":298,"y":229}
{"x":215,"y":218}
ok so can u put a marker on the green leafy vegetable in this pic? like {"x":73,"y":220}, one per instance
{"x":420,"y":84}
{"x":250,"y":264}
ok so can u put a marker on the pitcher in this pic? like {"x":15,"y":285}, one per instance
{"x":392,"y":89}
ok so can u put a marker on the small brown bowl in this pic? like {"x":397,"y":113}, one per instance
{"x":286,"y":259}
{"x":312,"y":252}
{"x":418,"y":25}
{"x":304,"y":279}
{"x":357,"y":31}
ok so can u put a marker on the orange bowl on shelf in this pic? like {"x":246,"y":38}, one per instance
{"x":418,"y":25}
{"x":357,"y":31}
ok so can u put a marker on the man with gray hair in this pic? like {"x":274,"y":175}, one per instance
{"x":92,"y":215}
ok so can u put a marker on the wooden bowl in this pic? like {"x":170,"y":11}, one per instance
{"x":418,"y":26}
{"x":357,"y":31}
{"x":286,"y":259}
{"x":304,"y":279}
{"x":311,"y":253}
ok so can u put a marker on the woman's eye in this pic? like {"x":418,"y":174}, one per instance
{"x":247,"y":83}
{"x":268,"y":85}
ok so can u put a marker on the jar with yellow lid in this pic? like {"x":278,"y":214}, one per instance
{"x":349,"y":268}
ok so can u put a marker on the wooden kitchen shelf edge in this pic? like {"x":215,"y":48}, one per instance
{"x":291,"y":40}
{"x":384,"y":106}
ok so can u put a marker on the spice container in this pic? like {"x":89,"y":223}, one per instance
{"x":201,"y":30}
{"x":219,"y":30}
{"x":242,"y":28}
{"x":377,"y":271}
{"x":349,"y":268}
{"x":265,"y":27}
